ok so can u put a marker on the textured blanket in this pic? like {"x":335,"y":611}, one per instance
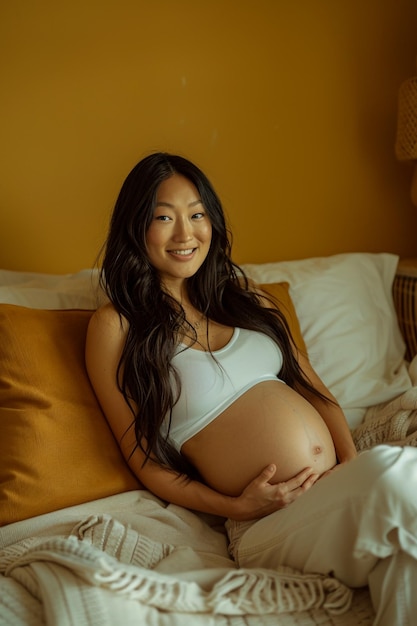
{"x":393,"y":422}
{"x":105,"y":572}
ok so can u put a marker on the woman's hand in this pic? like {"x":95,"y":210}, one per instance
{"x":261,"y":497}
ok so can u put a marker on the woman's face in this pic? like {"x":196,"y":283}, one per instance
{"x":179,"y":236}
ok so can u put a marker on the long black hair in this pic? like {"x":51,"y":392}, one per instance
{"x":219,"y":290}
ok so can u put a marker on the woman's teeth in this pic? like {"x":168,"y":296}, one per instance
{"x":183,"y":252}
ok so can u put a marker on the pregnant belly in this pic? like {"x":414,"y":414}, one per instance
{"x":270,"y":423}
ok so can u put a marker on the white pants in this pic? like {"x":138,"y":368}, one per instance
{"x":359,"y":523}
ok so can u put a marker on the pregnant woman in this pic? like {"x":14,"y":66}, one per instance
{"x":216,"y":409}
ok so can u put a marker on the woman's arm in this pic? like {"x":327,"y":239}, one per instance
{"x":105,"y":340}
{"x":258,"y":499}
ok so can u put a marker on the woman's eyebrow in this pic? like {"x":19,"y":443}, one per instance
{"x":168,"y":205}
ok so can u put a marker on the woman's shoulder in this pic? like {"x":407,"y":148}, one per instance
{"x":106,"y":335}
{"x":106,"y":318}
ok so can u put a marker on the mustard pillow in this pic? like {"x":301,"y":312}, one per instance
{"x":281,"y":294}
{"x":56,"y":448}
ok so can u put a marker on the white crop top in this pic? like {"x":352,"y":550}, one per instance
{"x":210,"y":385}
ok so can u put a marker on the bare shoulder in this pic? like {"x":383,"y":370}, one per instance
{"x":106,"y":335}
{"x":107,"y":319}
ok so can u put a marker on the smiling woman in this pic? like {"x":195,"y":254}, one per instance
{"x":187,"y":310}
{"x":215,"y":408}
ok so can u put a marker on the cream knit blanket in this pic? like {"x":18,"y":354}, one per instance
{"x":393,"y":422}
{"x":107,"y":573}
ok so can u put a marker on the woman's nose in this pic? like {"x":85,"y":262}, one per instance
{"x":183,"y":230}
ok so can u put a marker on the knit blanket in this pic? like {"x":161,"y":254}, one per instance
{"x":105,"y":572}
{"x":393,"y":422}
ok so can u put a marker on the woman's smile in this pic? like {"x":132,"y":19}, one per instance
{"x":186,"y":254}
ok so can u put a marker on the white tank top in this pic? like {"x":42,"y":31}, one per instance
{"x":210,"y":385}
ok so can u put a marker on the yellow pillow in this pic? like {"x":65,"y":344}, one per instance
{"x":56,"y":448}
{"x":281,"y":295}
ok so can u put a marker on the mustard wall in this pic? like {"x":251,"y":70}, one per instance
{"x":289,"y":107}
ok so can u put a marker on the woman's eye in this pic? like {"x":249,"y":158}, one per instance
{"x":162,"y":218}
{"x":198,"y":216}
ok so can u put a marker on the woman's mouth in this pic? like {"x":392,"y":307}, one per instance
{"x":183,"y":254}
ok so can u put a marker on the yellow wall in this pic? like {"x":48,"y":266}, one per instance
{"x":289,"y":107}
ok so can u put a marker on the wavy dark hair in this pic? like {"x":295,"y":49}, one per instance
{"x":219,"y":290}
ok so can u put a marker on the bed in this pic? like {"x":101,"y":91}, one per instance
{"x":83,"y":543}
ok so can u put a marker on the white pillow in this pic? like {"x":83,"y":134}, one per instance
{"x":50,"y":291}
{"x":347,"y":317}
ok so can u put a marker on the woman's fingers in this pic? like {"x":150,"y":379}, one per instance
{"x":306,"y":477}
{"x":262,"y":497}
{"x":290,"y":490}
{"x":266,"y":475}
